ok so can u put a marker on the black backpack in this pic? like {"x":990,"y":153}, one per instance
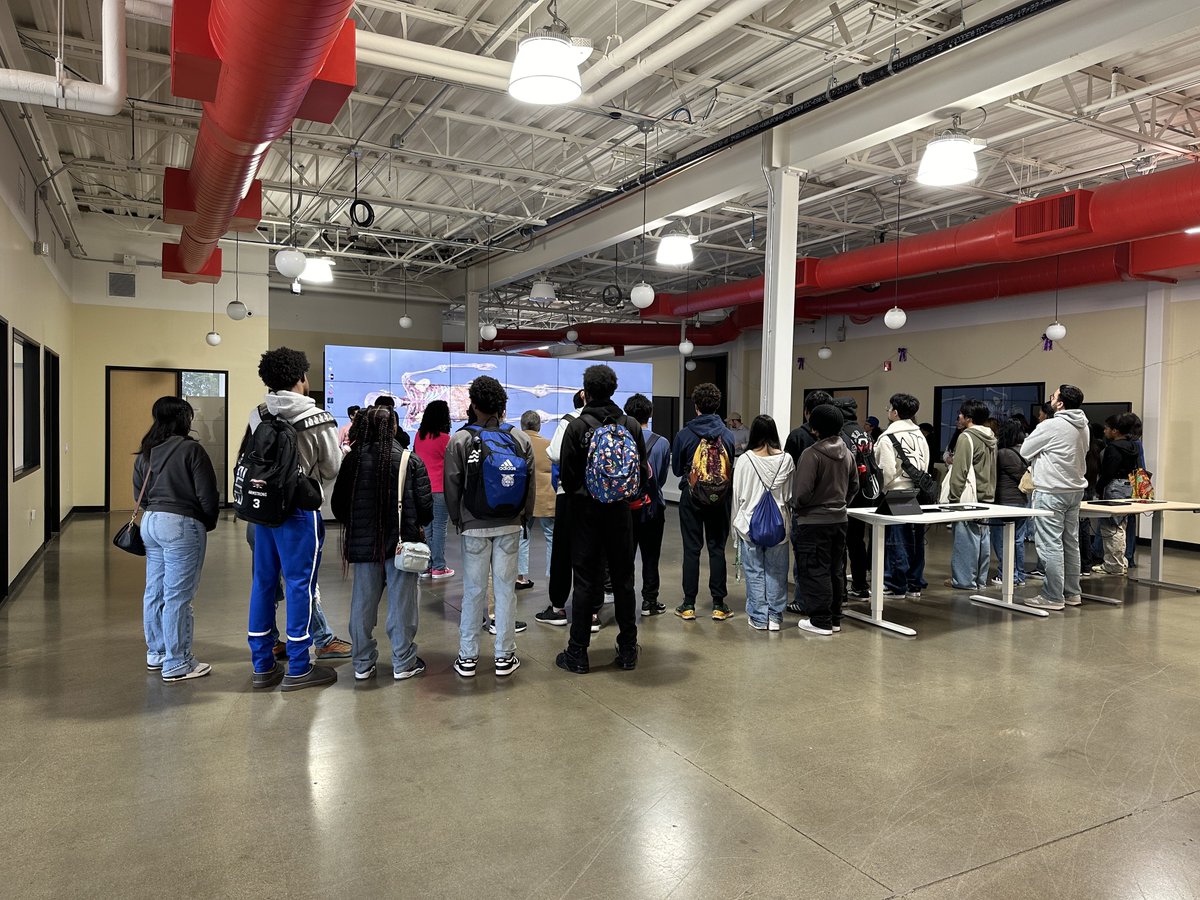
{"x":862,"y":451}
{"x":927,"y":487}
{"x":268,"y":485}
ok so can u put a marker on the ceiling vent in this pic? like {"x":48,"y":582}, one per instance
{"x":122,"y":284}
{"x":1055,"y":216}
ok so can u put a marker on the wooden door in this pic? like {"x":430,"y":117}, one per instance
{"x":131,"y":396}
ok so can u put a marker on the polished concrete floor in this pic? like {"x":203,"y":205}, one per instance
{"x":991,"y":756}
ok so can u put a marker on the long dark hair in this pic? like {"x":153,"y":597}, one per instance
{"x":373,"y":431}
{"x":172,"y":418}
{"x":1011,"y":434}
{"x":763,"y":431}
{"x":435,"y":420}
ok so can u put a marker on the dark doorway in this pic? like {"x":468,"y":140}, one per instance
{"x":714,"y":369}
{"x":5,"y":368}
{"x":51,"y":449}
{"x":666,"y":417}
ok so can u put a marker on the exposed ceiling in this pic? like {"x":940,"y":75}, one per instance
{"x":452,"y":170}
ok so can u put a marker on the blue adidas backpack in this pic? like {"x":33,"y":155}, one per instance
{"x":766,"y":522}
{"x":612,"y":472}
{"x":497,"y":473}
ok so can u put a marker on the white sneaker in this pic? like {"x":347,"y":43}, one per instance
{"x":1073,"y":601}
{"x":199,"y":670}
{"x":363,"y":676}
{"x":837,"y":629}
{"x":774,"y":625}
{"x":1040,"y":602}
{"x":997,"y":582}
{"x":755,"y":625}
{"x":912,"y":595}
{"x":806,"y":625}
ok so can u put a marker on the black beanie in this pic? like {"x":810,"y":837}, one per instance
{"x":826,"y":420}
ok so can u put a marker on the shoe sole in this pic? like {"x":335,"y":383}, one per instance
{"x":198,"y":672}
{"x":266,"y":685}
{"x":308,"y":684}
{"x":722,"y":617}
{"x":758,"y":627}
{"x":364,"y":676}
{"x":688,"y":616}
{"x":1057,"y":608}
{"x":815,"y":631}
{"x":442,"y":577}
{"x":150,"y":668}
{"x":504,"y":673}
{"x":465,"y":673}
{"x":408,"y":673}
{"x":555,"y":622}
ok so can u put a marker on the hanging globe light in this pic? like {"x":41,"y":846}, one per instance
{"x":1056,"y":331}
{"x":212,"y":338}
{"x":895,"y":318}
{"x":641,"y":295}
{"x":487,"y":332}
{"x":406,"y":322}
{"x":290,"y":262}
{"x":824,"y":353}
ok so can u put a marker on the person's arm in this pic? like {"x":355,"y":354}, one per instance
{"x":1110,"y":464}
{"x":139,"y":475}
{"x":329,"y":454}
{"x":677,"y":454}
{"x":554,"y":451}
{"x":1036,"y":442}
{"x":804,"y":484}
{"x":531,"y":494}
{"x":660,"y":460}
{"x":889,"y":463}
{"x":961,"y":467}
{"x":453,"y":474}
{"x":343,"y":488}
{"x":852,"y":482}
{"x":571,"y":461}
{"x":418,"y":477}
{"x":204,"y":483}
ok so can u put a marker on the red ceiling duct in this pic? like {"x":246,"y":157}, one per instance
{"x":1162,"y":203}
{"x":256,"y":65}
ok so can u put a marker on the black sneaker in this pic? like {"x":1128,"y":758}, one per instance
{"x":506,"y":665}
{"x":262,"y":681}
{"x":626,"y":657}
{"x":858,"y":594}
{"x":523,"y":585}
{"x":417,"y":667}
{"x":316,"y":676}
{"x":518,"y":626}
{"x":465,"y":666}
{"x":577,"y":663}
{"x":795,"y":608}
{"x":552,"y":616}
{"x":653,"y":608}
{"x":1039,"y":572}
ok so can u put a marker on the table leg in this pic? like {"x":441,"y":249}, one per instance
{"x":876,"y":617}
{"x":1157,"y":535}
{"x":1006,"y":575}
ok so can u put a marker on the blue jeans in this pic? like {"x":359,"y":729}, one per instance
{"x":481,"y":556}
{"x":293,"y":549}
{"x":175,"y":548}
{"x":437,"y":533}
{"x":997,"y":527}
{"x":1057,"y":541}
{"x":766,"y":581}
{"x":971,"y":556}
{"x":547,"y":524}
{"x":904,"y":558}
{"x":369,"y":582}
{"x":322,"y":634}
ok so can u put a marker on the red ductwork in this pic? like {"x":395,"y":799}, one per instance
{"x":1163,"y":203}
{"x":257,"y":65}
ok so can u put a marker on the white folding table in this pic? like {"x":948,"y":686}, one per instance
{"x":1098,"y":509}
{"x":938,"y":515}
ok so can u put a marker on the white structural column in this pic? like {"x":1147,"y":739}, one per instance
{"x":779,"y":297}
{"x":471,"y":341}
{"x":1154,"y":381}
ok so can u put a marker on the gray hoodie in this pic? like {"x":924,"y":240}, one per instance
{"x":316,"y":433}
{"x":1058,"y":450}
{"x":825,"y":483}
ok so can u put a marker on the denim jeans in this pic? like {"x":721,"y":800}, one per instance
{"x":766,"y":580}
{"x":437,"y":533}
{"x":369,"y":582}
{"x":904,"y":558}
{"x":322,"y":634}
{"x":1057,"y":541}
{"x":175,"y":548}
{"x":971,"y":555}
{"x":997,"y":529}
{"x":481,"y":556}
{"x":1112,"y":529}
{"x":547,"y":524}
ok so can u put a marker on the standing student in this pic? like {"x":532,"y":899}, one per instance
{"x":560,"y":559}
{"x":1117,"y":463}
{"x":490,"y":493}
{"x":602,"y":441}
{"x":1058,"y":450}
{"x":293,"y":548}
{"x":173,"y":479}
{"x":857,"y":532}
{"x":1010,"y":467}
{"x":703,"y":453}
{"x":741,"y":434}
{"x":432,"y":438}
{"x":904,"y":550}
{"x":543,"y":508}
{"x":800,"y":439}
{"x":826,"y":480}
{"x":344,"y":431}
{"x":973,"y":476}
{"x":650,"y":516}
{"x":365,"y":502}
{"x":764,"y":469}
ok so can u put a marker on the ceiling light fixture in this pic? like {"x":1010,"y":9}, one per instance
{"x":487,"y":331}
{"x":895,"y":317}
{"x":213,"y":337}
{"x":675,"y":248}
{"x":1193,"y":230}
{"x":949,"y":158}
{"x":236,"y":309}
{"x":641,"y":294}
{"x":405,"y":320}
{"x":1056,"y":331}
{"x":545,"y":70}
{"x":825,"y":352}
{"x":318,"y":270}
{"x":690,"y":365}
{"x":542,"y":291}
{"x":572,"y":335}
{"x":289,"y":262}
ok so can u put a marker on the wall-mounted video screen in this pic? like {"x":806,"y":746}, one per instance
{"x":358,"y":376}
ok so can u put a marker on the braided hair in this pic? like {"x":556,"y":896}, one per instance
{"x":373,"y":428}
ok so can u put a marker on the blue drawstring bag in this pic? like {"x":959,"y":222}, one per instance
{"x":766,"y":522}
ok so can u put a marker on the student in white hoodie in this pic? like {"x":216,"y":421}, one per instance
{"x":1057,"y":449}
{"x":763,"y":467}
{"x":904,"y":555}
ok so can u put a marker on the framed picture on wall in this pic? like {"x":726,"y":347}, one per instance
{"x":1002,"y":399}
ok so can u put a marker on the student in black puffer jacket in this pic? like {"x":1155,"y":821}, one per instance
{"x":1010,"y":466}
{"x":364,"y":501}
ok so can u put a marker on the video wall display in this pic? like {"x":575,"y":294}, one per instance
{"x":1002,"y":399}
{"x":358,"y":376}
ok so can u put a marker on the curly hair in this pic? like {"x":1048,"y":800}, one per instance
{"x":435,"y":420}
{"x":488,"y":395}
{"x":373,"y":431}
{"x":640,"y":407}
{"x":281,"y":369}
{"x":707,"y":398}
{"x":599,"y":383}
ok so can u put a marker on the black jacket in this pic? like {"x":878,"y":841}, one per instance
{"x":1010,"y":466}
{"x":355,"y":495}
{"x":573,"y":456}
{"x":798,"y":441}
{"x":183,"y":483}
{"x":1120,"y":457}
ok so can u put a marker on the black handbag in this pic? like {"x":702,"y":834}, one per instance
{"x":129,"y":536}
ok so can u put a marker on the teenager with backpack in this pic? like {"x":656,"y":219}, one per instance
{"x":972,"y":479}
{"x":761,"y":491}
{"x":650,"y":510}
{"x":560,"y":555}
{"x":702,"y":457}
{"x":490,"y":494}
{"x":862,"y":451}
{"x":293,"y":546}
{"x":603,"y":467}
{"x":825,"y":482}
{"x":543,"y":509}
{"x":800,"y":439}
{"x":902,"y":453}
{"x":366,"y":500}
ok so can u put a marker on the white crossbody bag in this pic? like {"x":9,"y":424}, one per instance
{"x":411,"y":556}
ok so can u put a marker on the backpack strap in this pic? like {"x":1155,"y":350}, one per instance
{"x":404,"y":455}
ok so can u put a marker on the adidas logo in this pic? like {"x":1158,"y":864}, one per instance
{"x":507,"y":466}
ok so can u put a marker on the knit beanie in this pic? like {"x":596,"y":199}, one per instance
{"x":826,"y":420}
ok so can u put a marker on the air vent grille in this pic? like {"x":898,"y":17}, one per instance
{"x":122,"y":284}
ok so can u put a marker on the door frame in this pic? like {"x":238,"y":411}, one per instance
{"x":108,"y":370}
{"x":5,"y":407}
{"x":51,"y":441}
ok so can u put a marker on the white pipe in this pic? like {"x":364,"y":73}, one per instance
{"x":457,"y":71}
{"x":427,"y":53}
{"x":149,"y":11}
{"x":106,"y":98}
{"x":680,"y":14}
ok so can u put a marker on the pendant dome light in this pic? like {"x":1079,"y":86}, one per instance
{"x":487,"y":331}
{"x":236,"y":309}
{"x":572,"y":335}
{"x":949,"y":158}
{"x":318,"y":270}
{"x":290,"y":262}
{"x":641,"y":294}
{"x":675,"y":248}
{"x":545,"y":70}
{"x":213,"y":337}
{"x":895,"y":317}
{"x":690,"y":365}
{"x":1056,"y":331}
{"x":542,"y":291}
{"x":825,"y":352}
{"x":405,"y":320}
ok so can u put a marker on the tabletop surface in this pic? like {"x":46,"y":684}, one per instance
{"x":1128,"y":507}
{"x":936,"y":513}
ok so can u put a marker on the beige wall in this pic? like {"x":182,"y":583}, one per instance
{"x":1176,"y":475}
